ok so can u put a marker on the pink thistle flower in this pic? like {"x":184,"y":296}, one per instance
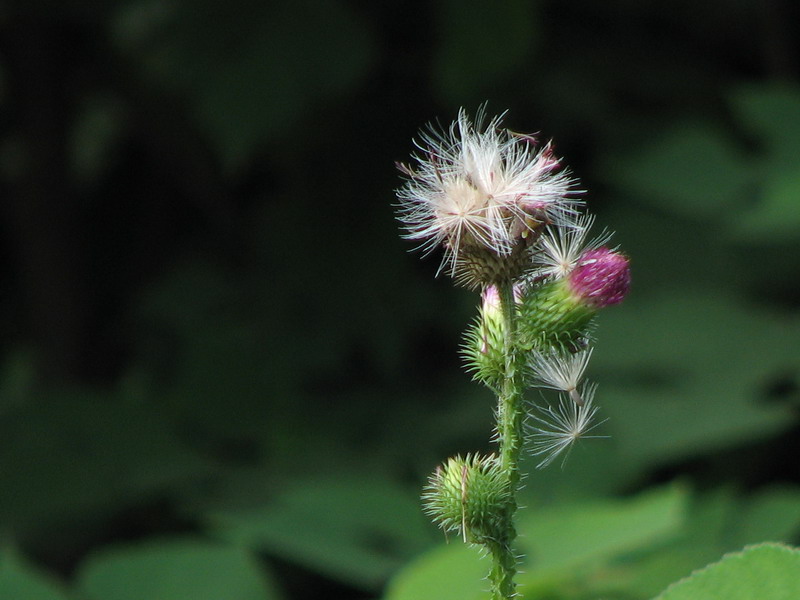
{"x":602,"y":277}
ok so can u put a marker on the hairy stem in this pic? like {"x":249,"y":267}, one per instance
{"x":509,"y":431}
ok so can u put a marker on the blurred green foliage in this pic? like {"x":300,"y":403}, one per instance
{"x":223,"y":376}
{"x":766,"y":571}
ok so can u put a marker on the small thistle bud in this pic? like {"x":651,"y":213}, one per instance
{"x":483,"y":347}
{"x":602,"y":277}
{"x":491,"y":322}
{"x":468,"y":496}
{"x":559,"y":312}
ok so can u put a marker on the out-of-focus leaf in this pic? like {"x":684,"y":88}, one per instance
{"x":716,"y":522}
{"x":93,"y":136}
{"x":699,"y":172}
{"x":355,"y":530}
{"x":91,"y":453}
{"x":772,"y":115}
{"x":563,"y":544}
{"x":766,"y":572}
{"x":17,"y":381}
{"x":481,"y":44}
{"x":182,"y":569}
{"x":682,"y":373}
{"x":772,"y":515}
{"x":775,"y":214}
{"x":20,"y":581}
{"x":561,"y":538}
{"x":691,"y":169}
{"x":557,"y":543}
{"x":249,"y":68}
{"x":452,"y":572}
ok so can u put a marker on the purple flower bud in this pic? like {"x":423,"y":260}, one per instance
{"x":602,"y":277}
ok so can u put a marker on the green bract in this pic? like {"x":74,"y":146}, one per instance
{"x":551,"y":316}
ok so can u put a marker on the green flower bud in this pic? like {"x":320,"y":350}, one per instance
{"x":552,"y":315}
{"x":469,"y":496}
{"x":484,"y":340}
{"x":558,"y":313}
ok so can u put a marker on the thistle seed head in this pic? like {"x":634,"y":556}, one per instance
{"x":483,"y":194}
{"x":555,"y":430}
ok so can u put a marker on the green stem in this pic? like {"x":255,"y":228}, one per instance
{"x":509,"y":429}
{"x":510,"y":400}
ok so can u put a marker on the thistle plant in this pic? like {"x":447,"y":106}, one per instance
{"x":510,"y":221}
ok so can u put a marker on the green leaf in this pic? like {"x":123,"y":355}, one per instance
{"x":775,"y":216}
{"x":682,"y":373}
{"x":772,"y":114}
{"x":91,"y":451}
{"x":716,"y":522}
{"x":557,"y":543}
{"x":17,"y":380}
{"x":94,"y":134}
{"x":766,"y":572}
{"x":563,"y":538}
{"x":351,"y":529}
{"x":564,"y":544}
{"x":691,"y":169}
{"x":20,"y":581}
{"x":452,"y":572}
{"x":773,"y":514}
{"x":181,"y":569}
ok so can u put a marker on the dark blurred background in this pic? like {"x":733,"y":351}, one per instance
{"x":215,"y":345}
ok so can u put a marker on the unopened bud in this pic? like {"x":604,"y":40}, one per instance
{"x":484,"y":343}
{"x":602,"y":277}
{"x":558,"y":313}
{"x":468,"y":496}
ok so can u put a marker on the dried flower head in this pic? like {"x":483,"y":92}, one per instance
{"x":481,"y":192}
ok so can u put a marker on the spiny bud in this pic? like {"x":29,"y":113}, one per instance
{"x":483,"y":347}
{"x":559,"y":312}
{"x":551,"y":316}
{"x":468,"y":496}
